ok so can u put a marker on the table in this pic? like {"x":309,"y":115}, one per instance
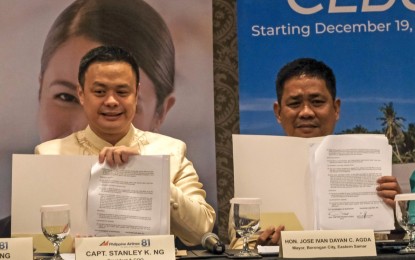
{"x":201,"y":254}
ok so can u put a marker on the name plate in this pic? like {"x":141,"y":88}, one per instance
{"x":327,"y":243}
{"x":16,"y":248}
{"x":125,"y":248}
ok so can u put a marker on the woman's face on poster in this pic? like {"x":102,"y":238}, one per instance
{"x":60,"y":112}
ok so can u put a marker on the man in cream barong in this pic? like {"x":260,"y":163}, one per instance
{"x":108,"y":92}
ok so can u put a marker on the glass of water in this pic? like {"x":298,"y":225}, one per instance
{"x":244,"y":218}
{"x":405,"y":215}
{"x":55,"y":223}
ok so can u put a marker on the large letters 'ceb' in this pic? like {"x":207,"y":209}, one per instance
{"x":334,"y":8}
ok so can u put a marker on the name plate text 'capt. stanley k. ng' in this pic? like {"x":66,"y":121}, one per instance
{"x":160,"y":247}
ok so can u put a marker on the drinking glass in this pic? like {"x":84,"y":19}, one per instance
{"x":405,"y":215}
{"x":244,"y":218}
{"x":55,"y":223}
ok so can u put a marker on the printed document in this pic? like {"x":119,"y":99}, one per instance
{"x":143,"y":183}
{"x":345,"y":169}
{"x":327,"y":182}
{"x":133,"y":199}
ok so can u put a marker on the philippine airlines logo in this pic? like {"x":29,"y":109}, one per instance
{"x":105,"y":243}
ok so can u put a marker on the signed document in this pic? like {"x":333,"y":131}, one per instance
{"x":133,"y":199}
{"x":327,"y":182}
{"x":66,"y":179}
{"x":345,"y":169}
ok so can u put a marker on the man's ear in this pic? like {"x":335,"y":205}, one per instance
{"x":168,"y":103}
{"x":137,"y":89}
{"x":337,"y":104}
{"x":80,"y":93}
{"x":277,"y":111}
{"x":40,"y":79}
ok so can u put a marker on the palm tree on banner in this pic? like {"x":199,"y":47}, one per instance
{"x":392,"y":126}
{"x":409,"y":143}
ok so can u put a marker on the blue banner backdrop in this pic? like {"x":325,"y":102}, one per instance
{"x":368,"y":44}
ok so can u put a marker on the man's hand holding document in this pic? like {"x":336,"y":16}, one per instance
{"x":328,"y":182}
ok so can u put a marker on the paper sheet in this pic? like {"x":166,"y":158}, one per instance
{"x":277,"y":170}
{"x":132,"y":199}
{"x":346,"y":169}
{"x":56,"y":179}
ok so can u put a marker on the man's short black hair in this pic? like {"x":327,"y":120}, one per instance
{"x":306,"y":67}
{"x":106,"y":54}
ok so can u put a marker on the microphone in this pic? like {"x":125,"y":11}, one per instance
{"x":211,"y":243}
